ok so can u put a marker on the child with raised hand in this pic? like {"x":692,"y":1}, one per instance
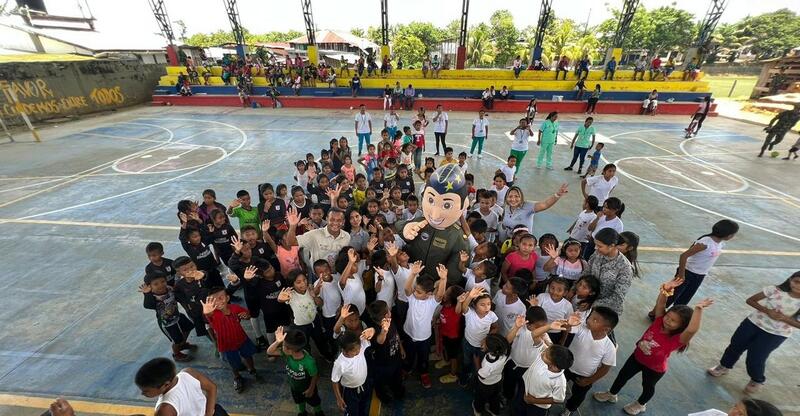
{"x":479,"y":274}
{"x":594,"y":353}
{"x":546,"y":241}
{"x":450,"y":331}
{"x":565,"y":263}
{"x":232,"y":342}
{"x":221,"y":235}
{"x":555,"y":303}
{"x":479,"y":322}
{"x":301,"y":369}
{"x":583,"y":294}
{"x":160,"y":297}
{"x":528,"y":338}
{"x":387,"y":354}
{"x":287,"y":249}
{"x":158,"y":263}
{"x":349,"y":320}
{"x":422,"y":304}
{"x":303,"y":302}
{"x":579,"y":230}
{"x":328,"y":290}
{"x":695,"y":263}
{"x":776,"y":316}
{"x":240,"y":208}
{"x":242,"y":260}
{"x":197,"y":245}
{"x":384,"y":281}
{"x":351,"y":386}
{"x":543,"y":383}
{"x":350,"y":270}
{"x":267,"y":284}
{"x":508,"y":303}
{"x":190,"y":288}
{"x":401,"y":272}
{"x":187,"y":392}
{"x":672,"y":330}
{"x":490,"y":375}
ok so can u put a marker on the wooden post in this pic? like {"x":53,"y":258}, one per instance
{"x":733,"y":87}
{"x":21,"y":110}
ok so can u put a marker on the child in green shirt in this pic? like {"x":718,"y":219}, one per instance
{"x":240,"y":208}
{"x":300,"y":367}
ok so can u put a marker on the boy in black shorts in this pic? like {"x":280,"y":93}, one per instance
{"x":300,"y":367}
{"x":159,"y":296}
{"x":191,"y":287}
{"x":158,"y":263}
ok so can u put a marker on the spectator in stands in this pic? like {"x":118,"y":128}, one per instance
{"x":446,"y":62}
{"x":360,"y":66}
{"x":504,"y":93}
{"x":611,"y":67}
{"x":668,"y":68}
{"x":298,"y":61}
{"x":580,"y":89}
{"x":386,"y":65}
{"x":436,"y":66}
{"x":488,"y":99}
{"x":562,"y":65}
{"x":397,"y":95}
{"x":650,"y":103}
{"x":639,"y":68}
{"x":517,"y":66}
{"x":408,"y":97}
{"x":399,"y":63}
{"x":355,"y":85}
{"x":655,"y":68}
{"x":426,"y":64}
{"x":372,"y":66}
{"x":297,"y":83}
{"x":583,"y":67}
{"x":343,"y":66}
{"x":690,"y":68}
{"x":593,"y":99}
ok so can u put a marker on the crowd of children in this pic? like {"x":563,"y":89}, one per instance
{"x":520,"y":325}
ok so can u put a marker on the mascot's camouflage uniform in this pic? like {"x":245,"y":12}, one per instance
{"x":438,"y":238}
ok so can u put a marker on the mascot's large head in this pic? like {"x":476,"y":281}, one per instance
{"x":444,"y":198}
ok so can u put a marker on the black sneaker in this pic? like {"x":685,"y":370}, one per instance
{"x":579,"y":171}
{"x":568,"y":168}
{"x":238,"y":384}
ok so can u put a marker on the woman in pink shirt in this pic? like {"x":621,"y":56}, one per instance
{"x":672,"y":330}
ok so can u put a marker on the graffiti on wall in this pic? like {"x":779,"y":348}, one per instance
{"x":36,"y":97}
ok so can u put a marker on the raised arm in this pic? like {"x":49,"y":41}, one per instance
{"x":350,"y":269}
{"x":694,"y":323}
{"x":551,"y":200}
{"x":463,"y":258}
{"x":274,"y":348}
{"x":442,"y":284}
{"x":416,"y":269}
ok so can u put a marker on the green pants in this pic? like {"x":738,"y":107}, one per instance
{"x":545,"y":151}
{"x":519,"y":154}
{"x":477,"y":141}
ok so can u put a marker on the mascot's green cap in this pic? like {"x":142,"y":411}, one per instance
{"x":449,"y":179}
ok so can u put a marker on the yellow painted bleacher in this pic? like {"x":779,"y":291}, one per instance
{"x":500,"y":74}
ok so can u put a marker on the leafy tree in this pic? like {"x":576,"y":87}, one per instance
{"x":374,"y":35}
{"x":669,"y":30}
{"x":638,"y":34}
{"x":505,"y":36}
{"x":728,"y":39}
{"x":452,"y":30}
{"x":480,"y":49}
{"x":357,"y":31}
{"x":430,"y":35}
{"x":205,"y":40}
{"x":182,"y":31}
{"x":772,"y":34}
{"x":409,"y":48}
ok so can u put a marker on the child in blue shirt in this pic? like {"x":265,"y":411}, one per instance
{"x":598,"y":149}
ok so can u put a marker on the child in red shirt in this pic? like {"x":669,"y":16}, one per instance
{"x":672,"y":330}
{"x":450,"y":331}
{"x":232,"y":341}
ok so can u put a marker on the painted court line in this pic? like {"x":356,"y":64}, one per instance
{"x":80,"y":406}
{"x":679,"y":173}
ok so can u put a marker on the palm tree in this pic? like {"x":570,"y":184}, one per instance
{"x":480,"y":50}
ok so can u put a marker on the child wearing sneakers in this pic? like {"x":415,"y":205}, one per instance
{"x":672,"y":330}
{"x":490,"y":375}
{"x":422,"y":304}
{"x":351,"y":386}
{"x":595,"y":161}
{"x":301,"y":369}
{"x":450,"y":331}
{"x":544,"y":383}
{"x":159,"y":296}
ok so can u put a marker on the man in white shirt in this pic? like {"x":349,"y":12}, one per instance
{"x":440,"y":127}
{"x":363,"y":126}
{"x":480,"y":131}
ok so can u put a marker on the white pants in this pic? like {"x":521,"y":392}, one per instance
{"x":387,"y":102}
{"x":646,"y":103}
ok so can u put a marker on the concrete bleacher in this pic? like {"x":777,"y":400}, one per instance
{"x":461,"y":88}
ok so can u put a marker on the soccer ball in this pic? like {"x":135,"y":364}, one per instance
{"x":774,"y":154}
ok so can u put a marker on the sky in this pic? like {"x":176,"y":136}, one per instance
{"x":131,"y":17}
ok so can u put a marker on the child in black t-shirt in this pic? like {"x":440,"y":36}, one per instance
{"x":196,"y":243}
{"x":404,"y":181}
{"x":160,"y":297}
{"x":191,"y":287}
{"x":221,"y":234}
{"x":158,"y":263}
{"x":385,"y":359}
{"x":268,"y":283}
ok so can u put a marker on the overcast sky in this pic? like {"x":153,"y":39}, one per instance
{"x":134,"y":16}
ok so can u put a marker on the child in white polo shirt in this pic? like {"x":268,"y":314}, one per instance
{"x":544,"y":382}
{"x":422,"y":304}
{"x":490,"y":375}
{"x":351,"y":387}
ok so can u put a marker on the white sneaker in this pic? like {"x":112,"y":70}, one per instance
{"x":470,"y":156}
{"x":480,"y":156}
{"x":634,"y":408}
{"x":604,"y":396}
{"x":753,"y":387}
{"x":718,"y":371}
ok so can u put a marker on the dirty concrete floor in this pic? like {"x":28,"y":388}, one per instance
{"x":78,"y":208}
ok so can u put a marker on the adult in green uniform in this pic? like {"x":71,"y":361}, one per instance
{"x":548,"y":133}
{"x":438,"y":238}
{"x":583,"y":144}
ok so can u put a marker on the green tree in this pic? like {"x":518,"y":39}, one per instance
{"x":205,"y":40}
{"x":357,"y":31}
{"x":409,"y":48}
{"x":638,"y":34}
{"x":669,"y":30}
{"x":430,"y":35}
{"x":564,"y":35}
{"x":374,"y":35}
{"x":772,"y":34}
{"x":452,"y":30}
{"x":505,"y":36}
{"x":480,"y":50}
{"x":728,"y":39}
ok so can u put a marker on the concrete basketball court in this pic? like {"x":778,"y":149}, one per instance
{"x":77,"y":210}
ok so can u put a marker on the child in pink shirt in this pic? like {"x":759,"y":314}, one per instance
{"x":524,"y":258}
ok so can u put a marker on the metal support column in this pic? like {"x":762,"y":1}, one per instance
{"x":311,"y":30}
{"x":384,"y":29}
{"x":623,"y":25}
{"x":232,"y":9}
{"x":710,"y":21}
{"x":160,"y":12}
{"x":545,"y":14}
{"x":461,"y":52}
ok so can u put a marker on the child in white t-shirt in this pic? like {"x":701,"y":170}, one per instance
{"x":327,"y":290}
{"x":352,"y":388}
{"x":422,"y":305}
{"x":507,"y":303}
{"x":555,"y":303}
{"x":477,"y":274}
{"x":509,"y":169}
{"x":490,"y":375}
{"x":544,"y":382}
{"x":579,"y":230}
{"x":479,"y":321}
{"x":350,"y":270}
{"x":594,"y":353}
{"x":303,"y":301}
{"x":528,"y":339}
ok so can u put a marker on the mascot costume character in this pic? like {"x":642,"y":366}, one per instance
{"x":438,"y":238}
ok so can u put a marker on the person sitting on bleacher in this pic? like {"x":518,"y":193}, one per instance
{"x":650,"y":103}
{"x":688,"y":72}
{"x":639,"y":68}
{"x":562,"y":65}
{"x":655,"y":68}
{"x":504,"y":94}
{"x":668,"y":68}
{"x":408,"y":97}
{"x":488,"y":99}
{"x":582,"y":67}
{"x":611,"y":67}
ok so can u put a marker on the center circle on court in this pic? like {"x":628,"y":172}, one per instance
{"x":170,"y":159}
{"x":685,"y":175}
